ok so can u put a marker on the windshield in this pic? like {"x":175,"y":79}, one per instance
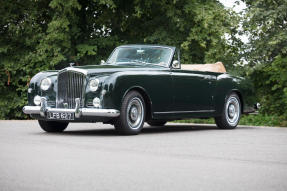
{"x":141,"y":55}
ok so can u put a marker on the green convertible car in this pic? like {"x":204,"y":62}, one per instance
{"x":137,"y":84}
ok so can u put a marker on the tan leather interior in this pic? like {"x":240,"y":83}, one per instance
{"x":217,"y":67}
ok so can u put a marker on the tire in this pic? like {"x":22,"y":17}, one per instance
{"x":53,"y":126}
{"x":231,"y":113}
{"x":132,"y":114}
{"x":156,"y":123}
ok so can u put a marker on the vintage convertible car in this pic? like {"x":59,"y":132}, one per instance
{"x":137,"y":84}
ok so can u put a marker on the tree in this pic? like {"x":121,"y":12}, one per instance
{"x":41,"y":35}
{"x":266,"y":22}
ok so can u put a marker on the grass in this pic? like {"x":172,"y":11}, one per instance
{"x":252,"y":120}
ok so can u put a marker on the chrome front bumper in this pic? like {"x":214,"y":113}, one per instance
{"x":43,"y":109}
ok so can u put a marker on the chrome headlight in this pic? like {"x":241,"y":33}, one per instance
{"x":94,"y":84}
{"x":45,"y":84}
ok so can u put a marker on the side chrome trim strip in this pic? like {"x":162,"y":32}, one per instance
{"x":100,"y":112}
{"x":178,"y":112}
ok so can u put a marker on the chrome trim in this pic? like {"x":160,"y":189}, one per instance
{"x":198,"y":111}
{"x":61,"y":110}
{"x":75,"y":70}
{"x":135,"y":113}
{"x":232,"y":111}
{"x":257,"y":106}
{"x":100,"y":112}
{"x":31,"y":109}
{"x":71,"y":84}
{"x":43,"y":109}
{"x":77,"y":108}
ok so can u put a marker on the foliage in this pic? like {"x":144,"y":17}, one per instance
{"x":37,"y":35}
{"x":266,"y":23}
{"x":264,"y":120}
{"x":250,"y":120}
{"x":271,"y":85}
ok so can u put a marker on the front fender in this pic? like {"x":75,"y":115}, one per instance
{"x":34,"y":86}
{"x":156,"y":85}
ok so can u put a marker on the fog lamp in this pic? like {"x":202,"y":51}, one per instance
{"x":37,"y":100}
{"x":97,"y":102}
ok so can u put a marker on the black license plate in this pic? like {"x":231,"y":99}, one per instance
{"x":60,"y":115}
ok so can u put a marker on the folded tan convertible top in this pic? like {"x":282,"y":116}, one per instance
{"x":217,"y":67}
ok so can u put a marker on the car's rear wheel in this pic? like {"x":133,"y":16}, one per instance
{"x":53,"y":126}
{"x":156,"y":123}
{"x":132,"y":117}
{"x":231,"y":113}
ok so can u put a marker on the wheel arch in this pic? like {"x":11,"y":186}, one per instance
{"x":146,"y":97}
{"x":240,"y":97}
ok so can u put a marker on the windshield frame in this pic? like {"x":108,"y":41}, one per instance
{"x":167,"y":65}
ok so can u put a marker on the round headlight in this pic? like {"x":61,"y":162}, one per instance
{"x":96,"y":102}
{"x":37,"y":100}
{"x":94,"y":84}
{"x":45,"y":84}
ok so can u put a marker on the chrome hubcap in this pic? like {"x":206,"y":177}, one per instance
{"x":232,"y":111}
{"x":135,"y":113}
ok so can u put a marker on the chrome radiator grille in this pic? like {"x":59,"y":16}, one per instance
{"x":71,"y":85}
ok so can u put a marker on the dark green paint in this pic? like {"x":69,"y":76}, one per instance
{"x":170,"y":93}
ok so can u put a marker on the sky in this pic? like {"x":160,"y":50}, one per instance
{"x":231,"y":3}
{"x":236,"y":8}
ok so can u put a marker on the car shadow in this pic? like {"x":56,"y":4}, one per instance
{"x":178,"y":128}
{"x":146,"y":130}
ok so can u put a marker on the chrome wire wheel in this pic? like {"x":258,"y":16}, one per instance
{"x":232,"y":110}
{"x":135,"y":113}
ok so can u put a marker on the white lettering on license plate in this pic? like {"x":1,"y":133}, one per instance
{"x":60,"y":116}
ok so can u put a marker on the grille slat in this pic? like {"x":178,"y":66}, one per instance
{"x":73,"y":89}
{"x":70,"y":86}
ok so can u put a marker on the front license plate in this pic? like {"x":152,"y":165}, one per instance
{"x":60,"y":115}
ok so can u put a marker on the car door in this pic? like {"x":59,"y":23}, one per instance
{"x":193,"y":90}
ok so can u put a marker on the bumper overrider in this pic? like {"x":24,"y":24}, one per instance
{"x":43,"y":109}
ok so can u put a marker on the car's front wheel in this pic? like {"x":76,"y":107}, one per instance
{"x":132,"y":117}
{"x":231,"y":113}
{"x":53,"y":126}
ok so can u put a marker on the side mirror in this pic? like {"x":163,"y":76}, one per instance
{"x":175,"y":64}
{"x":102,"y":62}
